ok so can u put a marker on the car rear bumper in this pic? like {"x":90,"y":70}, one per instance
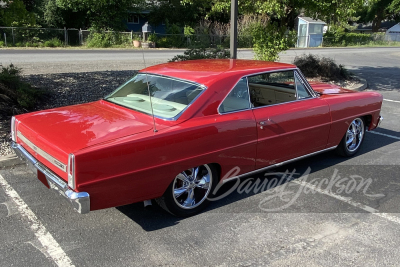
{"x":80,"y":201}
{"x":380,"y":119}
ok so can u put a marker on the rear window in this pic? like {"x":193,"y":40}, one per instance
{"x":168,"y":96}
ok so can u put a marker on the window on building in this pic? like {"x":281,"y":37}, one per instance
{"x":133,"y":18}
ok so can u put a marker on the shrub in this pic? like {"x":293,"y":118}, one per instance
{"x":106,"y":39}
{"x":170,"y":41}
{"x":55,"y":42}
{"x":313,"y":66}
{"x":337,"y":37}
{"x":270,"y":39}
{"x":16,"y":95}
{"x":2,"y":44}
{"x":201,"y":53}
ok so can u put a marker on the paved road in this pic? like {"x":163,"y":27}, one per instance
{"x":290,"y":224}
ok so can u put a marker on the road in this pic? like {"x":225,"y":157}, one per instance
{"x":293,"y":223}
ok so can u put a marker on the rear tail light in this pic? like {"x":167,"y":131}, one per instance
{"x":13,"y":130}
{"x":71,"y":171}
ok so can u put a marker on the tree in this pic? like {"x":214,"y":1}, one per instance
{"x":15,"y":14}
{"x":379,"y":10}
{"x":102,"y":14}
{"x":176,"y":13}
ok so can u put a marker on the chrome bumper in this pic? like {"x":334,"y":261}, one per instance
{"x":380,"y":119}
{"x":79,"y":201}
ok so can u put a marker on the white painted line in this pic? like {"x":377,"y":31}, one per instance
{"x":387,"y":135}
{"x":349,"y":201}
{"x":391,"y":100}
{"x":49,"y":244}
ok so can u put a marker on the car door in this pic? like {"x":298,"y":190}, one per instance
{"x":291,"y":119}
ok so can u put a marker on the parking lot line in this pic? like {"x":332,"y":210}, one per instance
{"x":387,"y":135}
{"x":49,"y":244}
{"x":391,"y":100}
{"x":349,"y":201}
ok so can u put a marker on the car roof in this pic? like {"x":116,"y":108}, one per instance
{"x":207,"y":71}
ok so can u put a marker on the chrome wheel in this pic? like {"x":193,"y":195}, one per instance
{"x":191,"y":187}
{"x":354,"y":135}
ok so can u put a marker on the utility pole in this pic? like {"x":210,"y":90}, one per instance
{"x":234,"y":19}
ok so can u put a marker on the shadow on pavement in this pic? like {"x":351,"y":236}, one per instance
{"x":154,"y":218}
{"x":380,"y":78}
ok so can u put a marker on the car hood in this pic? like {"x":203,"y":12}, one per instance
{"x":328,"y":89}
{"x":76,"y":127}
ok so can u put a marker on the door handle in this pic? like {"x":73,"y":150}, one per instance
{"x":263,"y":123}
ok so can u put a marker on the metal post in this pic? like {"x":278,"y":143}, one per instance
{"x":131,"y":36}
{"x":65,"y":36}
{"x":5,"y":39}
{"x":12,"y":33}
{"x":233,"y":39}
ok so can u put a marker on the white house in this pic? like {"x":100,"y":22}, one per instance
{"x":393,"y":34}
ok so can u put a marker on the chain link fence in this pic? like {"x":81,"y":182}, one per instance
{"x":49,"y":37}
{"x":349,"y":40}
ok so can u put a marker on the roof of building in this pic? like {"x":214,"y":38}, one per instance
{"x":207,"y":71}
{"x":368,"y":26}
{"x":395,"y":27}
{"x":311,"y":20}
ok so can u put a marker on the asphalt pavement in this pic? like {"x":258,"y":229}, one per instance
{"x":335,"y":211}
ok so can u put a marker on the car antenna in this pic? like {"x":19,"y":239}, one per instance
{"x":148,"y":89}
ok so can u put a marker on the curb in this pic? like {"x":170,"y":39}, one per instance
{"x":360,"y":87}
{"x":10,"y":160}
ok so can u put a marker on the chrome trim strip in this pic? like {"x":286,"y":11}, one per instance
{"x":314,"y":93}
{"x":278,"y":164}
{"x":80,"y":201}
{"x":42,"y":153}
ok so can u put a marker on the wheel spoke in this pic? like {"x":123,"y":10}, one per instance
{"x":350,"y":140}
{"x":179,"y":191}
{"x":183,"y":177}
{"x":354,"y":127}
{"x":204,"y":182}
{"x":195,"y":172}
{"x":190,"y":201}
{"x":354,"y":143}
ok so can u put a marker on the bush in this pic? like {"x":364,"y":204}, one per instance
{"x":337,"y":37}
{"x":270,"y":39}
{"x":201,"y":53}
{"x":107,"y":39}
{"x":313,"y":66}
{"x":16,"y":95}
{"x":2,"y":44}
{"x":55,"y":42}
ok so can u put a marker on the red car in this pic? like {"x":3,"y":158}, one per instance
{"x":175,"y":130}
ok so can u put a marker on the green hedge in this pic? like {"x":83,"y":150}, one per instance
{"x":351,"y":39}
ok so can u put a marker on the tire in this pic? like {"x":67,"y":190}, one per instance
{"x":187,"y":194}
{"x":352,"y":139}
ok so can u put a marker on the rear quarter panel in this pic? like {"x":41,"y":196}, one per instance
{"x":346,"y":107}
{"x":137,"y":168}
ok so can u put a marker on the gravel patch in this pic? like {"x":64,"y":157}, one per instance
{"x":67,"y":89}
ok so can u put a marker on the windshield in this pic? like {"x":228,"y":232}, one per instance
{"x":169,"y":96}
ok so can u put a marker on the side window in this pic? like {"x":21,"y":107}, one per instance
{"x":302,"y":92}
{"x":237,"y":99}
{"x":272,"y":88}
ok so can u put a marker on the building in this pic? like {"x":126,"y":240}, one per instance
{"x":393,"y":33}
{"x":309,"y":32}
{"x":135,"y":22}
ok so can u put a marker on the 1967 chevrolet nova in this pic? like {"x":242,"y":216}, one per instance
{"x":175,"y":130}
